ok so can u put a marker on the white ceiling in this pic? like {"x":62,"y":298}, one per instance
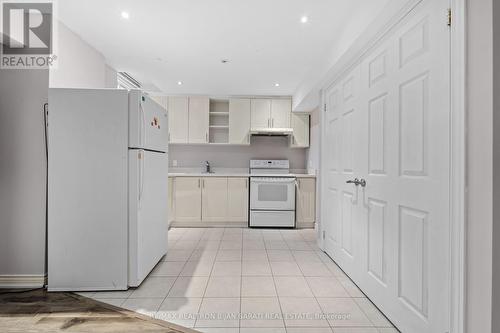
{"x":166,"y":41}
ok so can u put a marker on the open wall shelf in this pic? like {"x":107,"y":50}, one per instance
{"x":219,"y":121}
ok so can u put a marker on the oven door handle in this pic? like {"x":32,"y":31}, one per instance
{"x":272,"y":180}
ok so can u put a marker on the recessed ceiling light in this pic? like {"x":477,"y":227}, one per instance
{"x":276,"y":84}
{"x":125,"y":15}
{"x":179,"y":83}
{"x":304,"y":19}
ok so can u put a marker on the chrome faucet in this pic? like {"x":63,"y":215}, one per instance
{"x":207,"y":167}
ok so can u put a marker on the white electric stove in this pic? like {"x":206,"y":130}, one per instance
{"x":272,"y":194}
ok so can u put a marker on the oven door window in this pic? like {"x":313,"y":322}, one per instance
{"x":273,"y":192}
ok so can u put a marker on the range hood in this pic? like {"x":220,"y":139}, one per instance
{"x":272,"y":131}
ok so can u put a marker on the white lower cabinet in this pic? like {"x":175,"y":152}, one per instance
{"x":214,"y":199}
{"x":187,"y":199}
{"x":209,"y":200}
{"x":237,"y":199}
{"x":306,"y":202}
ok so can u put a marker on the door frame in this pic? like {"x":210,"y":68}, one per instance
{"x":393,"y":14}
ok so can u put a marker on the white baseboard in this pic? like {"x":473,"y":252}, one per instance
{"x":22,"y":281}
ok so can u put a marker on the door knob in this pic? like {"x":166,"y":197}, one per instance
{"x":357,"y":182}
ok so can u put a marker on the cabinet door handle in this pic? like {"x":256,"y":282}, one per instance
{"x":203,"y":183}
{"x":199,"y":182}
{"x":246,"y":183}
{"x":206,"y":137}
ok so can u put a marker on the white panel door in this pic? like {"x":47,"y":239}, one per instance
{"x":178,"y":119}
{"x":214,"y":199}
{"x":237,"y":199}
{"x":260,"y":113}
{"x":402,"y":238}
{"x":239,"y":121}
{"x":280,"y":113}
{"x":199,"y":108}
{"x":187,"y":200}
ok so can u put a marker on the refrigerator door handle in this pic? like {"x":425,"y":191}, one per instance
{"x":141,"y":175}
{"x":143,"y":125}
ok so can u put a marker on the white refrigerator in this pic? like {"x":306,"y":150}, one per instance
{"x":108,"y":188}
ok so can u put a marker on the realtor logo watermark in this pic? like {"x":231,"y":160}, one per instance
{"x":28,"y":35}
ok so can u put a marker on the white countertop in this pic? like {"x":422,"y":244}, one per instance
{"x":228,"y":172}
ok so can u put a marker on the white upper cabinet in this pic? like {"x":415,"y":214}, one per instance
{"x":280,"y":113}
{"x":239,"y":121}
{"x":178,"y":119}
{"x":261,"y":113}
{"x":300,"y":126}
{"x":199,"y":108}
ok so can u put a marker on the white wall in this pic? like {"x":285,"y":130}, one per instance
{"x":314,"y":141}
{"x":22,"y":172}
{"x":496,"y":168}
{"x":79,"y":65}
{"x":479,"y":166}
{"x":237,"y":156}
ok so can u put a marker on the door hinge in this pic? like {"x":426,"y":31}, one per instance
{"x":324,"y":107}
{"x":449,"y":19}
{"x":324,"y":234}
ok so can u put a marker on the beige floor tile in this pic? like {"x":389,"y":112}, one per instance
{"x":302,"y":312}
{"x":203,"y":255}
{"x":112,"y":294}
{"x":177,"y":255}
{"x":227,"y":268}
{"x":192,"y":286}
{"x":261,"y":312}
{"x":179,"y":310}
{"x":309,"y":330}
{"x":350,"y":287}
{"x":154,"y":287}
{"x":375,"y":316}
{"x":208,"y":245}
{"x":228,"y":255}
{"x":257,"y":286}
{"x":285,"y":268}
{"x":254,"y":255}
{"x":219,"y":312}
{"x":280,"y":255}
{"x":262,"y":330}
{"x":326,"y":287}
{"x":113,"y":301}
{"x":306,"y":256}
{"x":197,"y":268}
{"x":218,"y":329}
{"x":256,"y":268}
{"x":344,"y":312}
{"x":314,"y":269}
{"x":185,"y":245}
{"x":223,"y":286}
{"x":146,"y":306}
{"x":355,"y":330}
{"x":292,"y":286}
{"x":231,"y":244}
{"x":275,"y":244}
{"x":253,"y":244}
{"x":168,"y":268}
{"x":298,"y":245}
